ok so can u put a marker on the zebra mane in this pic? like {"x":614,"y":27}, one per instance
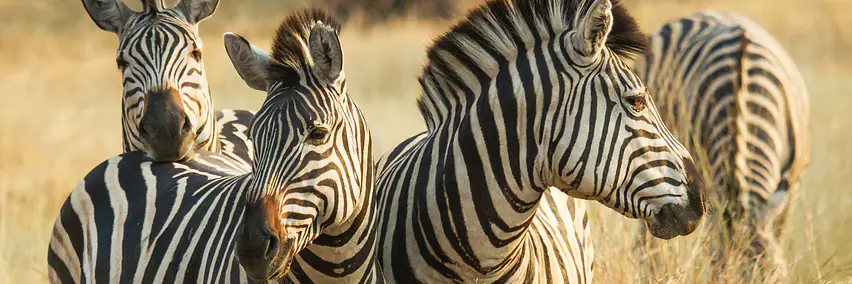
{"x":290,"y":47}
{"x":502,"y":29}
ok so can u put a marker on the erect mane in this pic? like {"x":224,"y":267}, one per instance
{"x":501,"y":29}
{"x":290,"y":46}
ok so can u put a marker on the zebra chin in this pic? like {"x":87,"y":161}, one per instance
{"x":182,"y":154}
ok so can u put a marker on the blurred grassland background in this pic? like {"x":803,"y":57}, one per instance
{"x":61,"y":97}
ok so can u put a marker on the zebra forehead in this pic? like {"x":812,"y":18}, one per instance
{"x":163,"y":24}
{"x":297,"y":110}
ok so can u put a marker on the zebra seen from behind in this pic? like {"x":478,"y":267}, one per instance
{"x":526,"y":101}
{"x":303,"y":214}
{"x":729,"y":87}
{"x":167,"y":110}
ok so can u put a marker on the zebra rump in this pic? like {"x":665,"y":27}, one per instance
{"x":733,"y":92}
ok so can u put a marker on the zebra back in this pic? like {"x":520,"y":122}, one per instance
{"x":131,"y":220}
{"x":726,"y":82}
{"x":731,"y":89}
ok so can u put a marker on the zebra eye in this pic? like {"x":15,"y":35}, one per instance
{"x":317,"y":135}
{"x":637,"y":102}
{"x":121,"y":63}
{"x":196,"y":54}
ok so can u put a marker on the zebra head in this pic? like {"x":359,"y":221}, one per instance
{"x":608,"y":142}
{"x":167,"y":110}
{"x":313,"y":162}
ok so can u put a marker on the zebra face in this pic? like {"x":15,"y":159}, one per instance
{"x":312,"y":167}
{"x":301,"y":177}
{"x":627,"y":159}
{"x":167,"y":109}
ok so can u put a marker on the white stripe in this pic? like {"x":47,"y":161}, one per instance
{"x":150,"y":211}
{"x":118,"y":203}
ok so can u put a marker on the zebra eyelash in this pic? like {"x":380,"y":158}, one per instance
{"x":121,"y":63}
{"x":637,"y":102}
{"x":196,"y":54}
{"x":317,"y":135}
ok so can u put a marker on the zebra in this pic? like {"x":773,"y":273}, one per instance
{"x":303,"y":214}
{"x":732,"y":90}
{"x":528,"y":102}
{"x":167,"y":110}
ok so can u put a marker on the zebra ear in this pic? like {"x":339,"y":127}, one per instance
{"x":326,"y":53}
{"x":197,"y":10}
{"x":593,"y":29}
{"x":109,"y":15}
{"x":250,"y":61}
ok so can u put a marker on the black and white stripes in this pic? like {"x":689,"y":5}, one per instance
{"x":167,"y":110}
{"x":526,"y":101}
{"x":730,"y":86}
{"x":303,"y":214}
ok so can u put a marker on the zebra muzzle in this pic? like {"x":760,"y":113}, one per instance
{"x":165,"y":129}
{"x":679,"y":219}
{"x":673,"y":220}
{"x":261,"y":252}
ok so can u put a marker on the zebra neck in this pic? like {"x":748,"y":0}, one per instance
{"x":493,"y":172}
{"x":346,"y":253}
{"x":208,"y":137}
{"x":126,"y":143}
{"x":346,"y":256}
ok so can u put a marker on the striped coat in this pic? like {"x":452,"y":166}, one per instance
{"x":528,"y":102}
{"x":304,"y":213}
{"x":167,"y":109}
{"x":732,"y":89}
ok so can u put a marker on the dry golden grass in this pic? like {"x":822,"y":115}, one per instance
{"x":61,"y":106}
{"x":815,"y":240}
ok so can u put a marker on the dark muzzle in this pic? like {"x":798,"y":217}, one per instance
{"x":682,"y":219}
{"x":165,"y":130}
{"x":259,"y":249}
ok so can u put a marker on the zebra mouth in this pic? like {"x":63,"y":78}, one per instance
{"x":171,"y":156}
{"x":169,"y":149}
{"x":165,"y":129}
{"x":279,"y":271}
{"x":272,"y":261}
{"x":274,"y":269}
{"x":672,"y":221}
{"x":280,"y":265}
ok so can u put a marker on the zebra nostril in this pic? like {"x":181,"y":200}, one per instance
{"x":695,"y":187}
{"x":142,"y":132}
{"x":186,"y":127}
{"x":271,"y":247}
